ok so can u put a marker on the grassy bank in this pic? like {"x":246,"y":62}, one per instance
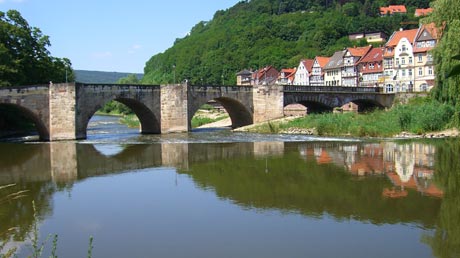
{"x":419,"y":117}
{"x":202,"y":119}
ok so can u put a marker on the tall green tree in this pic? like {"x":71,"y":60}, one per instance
{"x":24,"y":57}
{"x":447,"y":19}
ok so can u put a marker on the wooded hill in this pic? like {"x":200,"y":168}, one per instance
{"x":254,"y":34}
{"x":101,"y":77}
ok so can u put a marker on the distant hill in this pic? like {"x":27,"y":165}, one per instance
{"x":101,"y":77}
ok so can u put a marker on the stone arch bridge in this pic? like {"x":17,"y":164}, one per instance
{"x":62,"y":111}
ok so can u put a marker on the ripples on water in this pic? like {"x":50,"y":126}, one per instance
{"x":103,"y":129}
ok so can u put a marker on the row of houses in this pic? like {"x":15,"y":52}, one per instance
{"x":404,"y":64}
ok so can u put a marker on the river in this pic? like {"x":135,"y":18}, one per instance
{"x":214,"y":193}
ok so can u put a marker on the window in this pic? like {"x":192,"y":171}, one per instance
{"x":404,"y":48}
{"x":420,"y":58}
{"x":397,"y":61}
{"x":371,"y":66}
{"x":420,"y":71}
{"x":389,"y":88}
{"x":430,"y":70}
{"x":410,"y":60}
{"x":410,"y":72}
{"x":403,"y":72}
{"x":403,"y":61}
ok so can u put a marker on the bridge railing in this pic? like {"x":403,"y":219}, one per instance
{"x":344,"y":89}
{"x":85,"y":84}
{"x":223,"y":88}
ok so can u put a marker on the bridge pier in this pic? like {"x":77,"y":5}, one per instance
{"x":268,"y":102}
{"x":62,"y":112}
{"x":174,"y":108}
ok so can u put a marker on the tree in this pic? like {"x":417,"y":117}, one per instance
{"x":24,"y":57}
{"x":130,"y":79}
{"x":445,"y":16}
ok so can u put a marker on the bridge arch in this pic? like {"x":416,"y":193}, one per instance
{"x":31,"y":116}
{"x":238,"y":112}
{"x":313,"y":103}
{"x":149,"y":123}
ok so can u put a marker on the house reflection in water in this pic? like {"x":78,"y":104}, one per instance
{"x":407,"y":166}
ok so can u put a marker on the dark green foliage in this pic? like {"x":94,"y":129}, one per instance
{"x":24,"y":57}
{"x":446,"y":17}
{"x":257,"y":33}
{"x":445,"y":241}
{"x":116,"y":108}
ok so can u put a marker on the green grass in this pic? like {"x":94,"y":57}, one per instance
{"x":199,"y":120}
{"x":419,"y":117}
{"x":130,"y":120}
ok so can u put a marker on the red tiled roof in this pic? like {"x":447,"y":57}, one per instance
{"x":359,"y":51}
{"x":398,"y":35}
{"x":322,"y":61}
{"x":432,"y":29}
{"x":423,"y":12}
{"x":289,"y":73}
{"x":393,"y":9}
{"x":308,"y":63}
{"x":375,"y":55}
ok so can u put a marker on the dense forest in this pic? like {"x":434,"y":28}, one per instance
{"x":253,"y":34}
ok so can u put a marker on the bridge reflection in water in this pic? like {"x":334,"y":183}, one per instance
{"x":386,"y":182}
{"x":408,"y":165}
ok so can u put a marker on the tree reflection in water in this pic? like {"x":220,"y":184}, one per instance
{"x":445,"y":241}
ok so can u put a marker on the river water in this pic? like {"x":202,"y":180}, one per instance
{"x":215,"y":193}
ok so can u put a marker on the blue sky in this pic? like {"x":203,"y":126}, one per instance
{"x":113,"y":35}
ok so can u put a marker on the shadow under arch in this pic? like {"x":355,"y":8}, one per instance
{"x":149,"y":123}
{"x":313,"y":107}
{"x":239,"y":114}
{"x":365,"y":105}
{"x":28,"y":115}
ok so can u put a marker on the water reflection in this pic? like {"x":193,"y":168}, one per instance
{"x":382,"y":183}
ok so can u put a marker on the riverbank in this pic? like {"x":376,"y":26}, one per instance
{"x":274,"y":125}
